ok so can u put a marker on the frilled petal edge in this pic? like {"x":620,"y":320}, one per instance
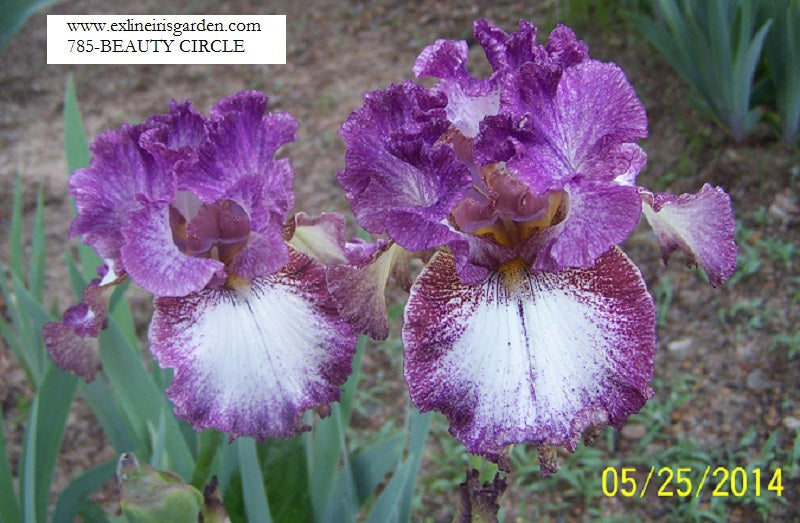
{"x":250,"y":362}
{"x":701,"y":225}
{"x":530,"y":356}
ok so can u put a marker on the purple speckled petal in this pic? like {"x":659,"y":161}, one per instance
{"x":251,"y":361}
{"x":530,"y":356}
{"x":119,"y":175}
{"x":701,"y":225}
{"x":387,"y":171}
{"x":588,"y":126}
{"x":495,"y":42}
{"x":72,"y":342}
{"x":175,"y":137}
{"x":468,"y":99}
{"x":600,"y":216}
{"x":445,"y":59}
{"x":265,"y":253}
{"x":154,"y":262}
{"x":400,"y":120}
{"x":243,"y":143}
{"x":564,"y":49}
{"x":507,"y":53}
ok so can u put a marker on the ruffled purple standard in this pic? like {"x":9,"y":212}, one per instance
{"x":530,"y":171}
{"x":145,"y":185}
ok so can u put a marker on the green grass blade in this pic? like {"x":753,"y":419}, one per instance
{"x":255,"y":498}
{"x":36,"y":269}
{"x":43,"y":437}
{"x":349,"y":388}
{"x":373,"y":463}
{"x":158,"y":442}
{"x":323,"y":461}
{"x":9,"y":509}
{"x":286,"y":482}
{"x":394,"y":503}
{"x":77,"y":492}
{"x":76,"y":279}
{"x":11,"y":337}
{"x":14,"y":14}
{"x":101,"y":400}
{"x":30,"y":327}
{"x":76,"y":146}
{"x":420,"y":424}
{"x":210,"y":441}
{"x":387,"y":506}
{"x":141,"y":400}
{"x":15,"y":234}
{"x":120,"y":312}
{"x":786,"y":64}
{"x":342,"y":502}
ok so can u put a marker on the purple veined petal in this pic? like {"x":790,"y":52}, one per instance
{"x":359,"y":291}
{"x":106,"y":192}
{"x":155,"y":263}
{"x":251,"y":361}
{"x":507,"y":53}
{"x":72,"y":342}
{"x":701,"y":225}
{"x":597,"y":107}
{"x":529,"y":356}
{"x":600,"y":215}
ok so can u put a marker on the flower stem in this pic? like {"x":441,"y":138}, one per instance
{"x":209,"y":443}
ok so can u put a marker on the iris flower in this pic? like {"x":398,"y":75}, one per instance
{"x":193,"y":210}
{"x":529,"y":324}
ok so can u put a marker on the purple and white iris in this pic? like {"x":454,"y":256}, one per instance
{"x":531,"y":325}
{"x":192,"y":209}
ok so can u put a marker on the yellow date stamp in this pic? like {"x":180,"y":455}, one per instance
{"x":684,"y":482}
